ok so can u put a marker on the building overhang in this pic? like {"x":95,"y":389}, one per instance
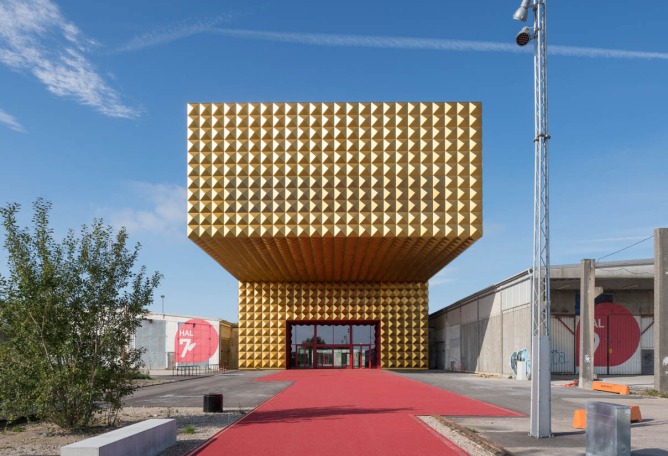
{"x":334,"y":191}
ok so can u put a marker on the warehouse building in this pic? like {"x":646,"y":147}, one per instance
{"x":490,"y":331}
{"x":333,"y":217}
{"x":170,"y":341}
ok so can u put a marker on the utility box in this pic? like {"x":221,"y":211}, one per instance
{"x":521,"y":370}
{"x":608,"y":429}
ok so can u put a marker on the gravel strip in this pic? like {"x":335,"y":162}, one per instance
{"x":464,"y":438}
{"x":193,"y":427}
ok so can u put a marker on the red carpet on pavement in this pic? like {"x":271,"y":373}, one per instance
{"x":346,"y":412}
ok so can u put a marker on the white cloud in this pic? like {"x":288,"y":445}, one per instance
{"x":165,"y":213}
{"x":36,"y":38}
{"x":389,"y":42}
{"x":169,"y":34}
{"x":11,"y":122}
{"x":613,"y":239}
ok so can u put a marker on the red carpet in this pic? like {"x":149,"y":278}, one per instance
{"x":346,"y":412}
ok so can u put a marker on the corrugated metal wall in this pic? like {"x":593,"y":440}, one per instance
{"x":647,"y":332}
{"x":617,"y":350}
{"x":488,"y":345}
{"x":623,"y":344}
{"x":562,"y":332}
{"x":483,"y":335}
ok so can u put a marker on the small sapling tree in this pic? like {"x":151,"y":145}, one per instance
{"x":68,"y":313}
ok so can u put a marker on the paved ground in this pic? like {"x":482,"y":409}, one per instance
{"x":647,"y":438}
{"x":351,"y":412}
{"x":238,"y":389}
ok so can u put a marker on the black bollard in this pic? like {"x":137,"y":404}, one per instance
{"x":213,"y":403}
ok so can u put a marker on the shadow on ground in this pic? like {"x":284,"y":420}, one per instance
{"x":306,"y":414}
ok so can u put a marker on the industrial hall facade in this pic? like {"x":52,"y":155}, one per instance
{"x":333,"y":217}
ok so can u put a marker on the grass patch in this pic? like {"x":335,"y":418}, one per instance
{"x":139,"y":375}
{"x":189,"y":429}
{"x":656,"y":393}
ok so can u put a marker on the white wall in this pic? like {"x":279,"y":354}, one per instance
{"x":172,"y":323}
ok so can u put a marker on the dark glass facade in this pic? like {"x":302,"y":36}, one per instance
{"x":333,"y":345}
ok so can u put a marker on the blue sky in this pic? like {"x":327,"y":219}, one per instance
{"x":93,"y":115}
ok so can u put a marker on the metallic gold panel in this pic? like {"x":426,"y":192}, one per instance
{"x":265,"y":307}
{"x":334,"y":191}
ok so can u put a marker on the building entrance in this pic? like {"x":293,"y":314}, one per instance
{"x":333,"y":345}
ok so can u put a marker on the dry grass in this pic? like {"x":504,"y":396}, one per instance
{"x":193,"y":428}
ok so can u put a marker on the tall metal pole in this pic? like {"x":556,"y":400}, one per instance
{"x":541,"y":425}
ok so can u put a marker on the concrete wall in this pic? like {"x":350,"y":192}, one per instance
{"x":516,"y":336}
{"x":485,"y":332}
{"x":151,"y":335}
{"x":481,"y":334}
{"x":158,"y":336}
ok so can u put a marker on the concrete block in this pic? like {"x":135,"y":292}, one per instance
{"x":611,"y":388}
{"x":580,"y":419}
{"x":141,"y":439}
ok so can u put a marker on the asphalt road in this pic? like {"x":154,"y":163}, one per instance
{"x":239,"y":391}
{"x":648,"y":438}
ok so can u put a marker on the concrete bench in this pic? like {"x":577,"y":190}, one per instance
{"x":141,"y":439}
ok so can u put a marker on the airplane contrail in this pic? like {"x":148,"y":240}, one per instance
{"x":388,"y":42}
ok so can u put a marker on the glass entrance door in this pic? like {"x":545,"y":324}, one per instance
{"x":304,"y":356}
{"x":357,"y":357}
{"x":332,"y":345}
{"x":364,"y":357}
{"x":342,"y":357}
{"x":325,"y":357}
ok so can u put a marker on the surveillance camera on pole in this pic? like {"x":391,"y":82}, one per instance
{"x":541,"y":396}
{"x":522,"y":11}
{"x":524,"y":36}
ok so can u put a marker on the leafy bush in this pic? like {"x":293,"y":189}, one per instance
{"x":68,"y":312}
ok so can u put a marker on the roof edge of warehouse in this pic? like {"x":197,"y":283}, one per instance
{"x":525,"y":273}
{"x":160,"y":315}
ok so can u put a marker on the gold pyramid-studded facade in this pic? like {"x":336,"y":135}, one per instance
{"x":400,"y":308}
{"x":355,"y":194}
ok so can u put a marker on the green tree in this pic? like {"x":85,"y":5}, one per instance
{"x":68,"y":312}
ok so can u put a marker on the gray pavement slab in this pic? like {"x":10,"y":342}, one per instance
{"x":650,"y":437}
{"x":145,"y":438}
{"x":239,"y":389}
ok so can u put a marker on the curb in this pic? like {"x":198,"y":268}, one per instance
{"x":177,"y":380}
{"x":487,"y":445}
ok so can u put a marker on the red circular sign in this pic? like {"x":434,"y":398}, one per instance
{"x":616,"y":335}
{"x":195,"y":341}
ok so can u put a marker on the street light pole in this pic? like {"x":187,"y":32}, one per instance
{"x":163,"y":304}
{"x":540,"y":284}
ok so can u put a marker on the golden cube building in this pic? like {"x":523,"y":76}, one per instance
{"x":333,"y":217}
